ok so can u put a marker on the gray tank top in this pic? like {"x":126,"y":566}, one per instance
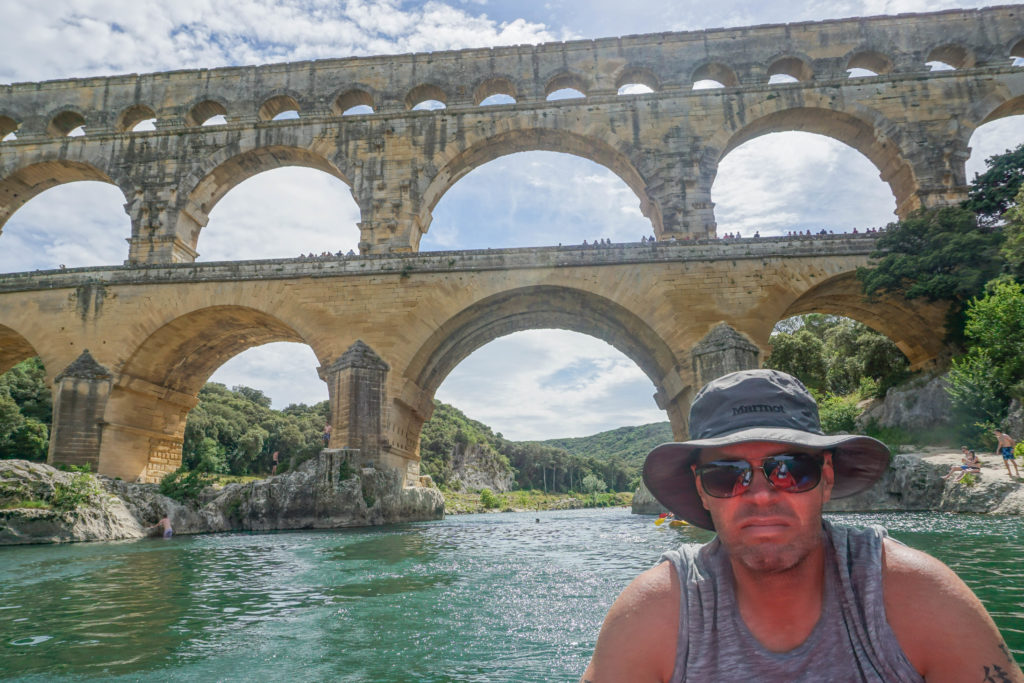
{"x":852,"y":640}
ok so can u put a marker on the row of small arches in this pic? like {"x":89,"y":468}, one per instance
{"x":500,"y":90}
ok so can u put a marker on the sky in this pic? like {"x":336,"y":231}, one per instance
{"x":530,"y":385}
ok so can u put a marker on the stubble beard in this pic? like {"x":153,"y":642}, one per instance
{"x":774,"y":558}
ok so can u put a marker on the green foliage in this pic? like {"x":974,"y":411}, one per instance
{"x":836,"y":355}
{"x":838,"y":413}
{"x":1013,"y":245}
{"x":81,"y":490}
{"x":627,"y":444}
{"x":488,"y":499}
{"x":937,"y":254}
{"x":369,"y":499}
{"x":184,"y":485}
{"x":25,"y":412}
{"x":994,"y":191}
{"x":84,"y":467}
{"x":594,"y":484}
{"x":236,"y":430}
{"x":981,"y":381}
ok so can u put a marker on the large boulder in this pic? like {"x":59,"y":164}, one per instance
{"x":645,"y":504}
{"x":918,"y":406}
{"x":30,"y":510}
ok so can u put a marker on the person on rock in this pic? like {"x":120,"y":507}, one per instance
{"x":780,"y":594}
{"x":1004,"y":447}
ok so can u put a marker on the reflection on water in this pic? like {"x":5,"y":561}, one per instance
{"x":475,"y":598}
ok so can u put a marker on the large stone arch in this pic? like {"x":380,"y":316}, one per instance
{"x":14,"y":348}
{"x":225,"y":170}
{"x":549,"y":307}
{"x":144,"y":419}
{"x":865,"y":132}
{"x":916,"y":327}
{"x":452,"y":165}
{"x":37,"y":176}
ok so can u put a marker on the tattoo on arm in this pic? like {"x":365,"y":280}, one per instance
{"x":996,"y":674}
{"x":1009,"y":657}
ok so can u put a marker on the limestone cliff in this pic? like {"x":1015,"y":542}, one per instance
{"x":323,"y":493}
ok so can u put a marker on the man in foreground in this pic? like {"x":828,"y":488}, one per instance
{"x":780,"y":594}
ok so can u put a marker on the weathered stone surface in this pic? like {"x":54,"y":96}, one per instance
{"x":1014,"y":422}
{"x":324,"y":493}
{"x":107,"y":518}
{"x":918,"y":406}
{"x":477,"y":468}
{"x":645,"y":504}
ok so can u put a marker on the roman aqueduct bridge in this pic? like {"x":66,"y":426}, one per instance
{"x":128,"y":347}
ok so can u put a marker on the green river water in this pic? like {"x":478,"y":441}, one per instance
{"x":499,"y":597}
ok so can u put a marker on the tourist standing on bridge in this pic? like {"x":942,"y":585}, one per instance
{"x":780,"y":594}
{"x":1004,"y":447}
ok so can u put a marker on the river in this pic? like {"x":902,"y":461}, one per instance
{"x":498,"y":597}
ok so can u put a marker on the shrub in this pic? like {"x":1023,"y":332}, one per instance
{"x":488,"y":499}
{"x":838,"y":413}
{"x":185,"y":486}
{"x":80,"y":491}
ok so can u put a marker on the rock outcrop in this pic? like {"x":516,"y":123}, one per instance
{"x":918,"y":406}
{"x":323,"y":493}
{"x":478,"y":467}
{"x":645,"y":504}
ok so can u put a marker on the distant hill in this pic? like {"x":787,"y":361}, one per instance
{"x":631,"y":444}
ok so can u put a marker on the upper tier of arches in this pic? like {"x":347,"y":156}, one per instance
{"x":813,"y":51}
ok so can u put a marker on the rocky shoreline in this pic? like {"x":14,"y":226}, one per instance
{"x":914,"y":483}
{"x":326,"y":492}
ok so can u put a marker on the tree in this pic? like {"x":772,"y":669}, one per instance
{"x":801,"y":354}
{"x":995,"y":190}
{"x":593,"y":484}
{"x":1013,"y":246}
{"x":937,"y":254}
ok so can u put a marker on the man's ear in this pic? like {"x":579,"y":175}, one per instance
{"x":828,"y":477}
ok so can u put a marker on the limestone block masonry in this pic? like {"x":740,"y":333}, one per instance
{"x":388,"y":329}
{"x":913,"y":123}
{"x":127,"y":348}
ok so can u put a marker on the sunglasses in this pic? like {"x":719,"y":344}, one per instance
{"x":789,"y":472}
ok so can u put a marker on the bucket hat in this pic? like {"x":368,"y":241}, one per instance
{"x":756,"y":405}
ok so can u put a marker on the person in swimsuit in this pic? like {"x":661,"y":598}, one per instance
{"x":1004,"y":447}
{"x":970,"y":463}
{"x":165,"y":524}
{"x":778,"y":576}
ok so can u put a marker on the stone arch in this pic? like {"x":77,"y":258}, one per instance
{"x":566,"y":79}
{"x":205,"y":109}
{"x":133,"y":116}
{"x":1016,"y":49}
{"x":916,"y":327}
{"x":278,"y":102}
{"x":481,"y":151}
{"x":544,"y":307}
{"x":638,"y":74}
{"x":797,"y":66}
{"x":992,"y":109}
{"x":494,"y":85}
{"x":207,"y":185}
{"x":352,"y":97}
{"x":144,"y":418}
{"x":870,"y":60}
{"x":64,"y":121}
{"x":957,"y":56}
{"x":715,"y":71}
{"x":424,"y":92}
{"x":28,"y":181}
{"x":8,"y":125}
{"x":862,"y":133}
{"x":14,"y":348}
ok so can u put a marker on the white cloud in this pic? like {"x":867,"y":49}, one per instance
{"x":558,"y":383}
{"x":281,"y":214}
{"x":285,"y":372}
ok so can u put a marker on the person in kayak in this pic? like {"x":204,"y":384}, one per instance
{"x":780,"y":594}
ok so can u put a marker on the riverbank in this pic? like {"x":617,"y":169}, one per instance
{"x":39,"y":504}
{"x":461,"y":503}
